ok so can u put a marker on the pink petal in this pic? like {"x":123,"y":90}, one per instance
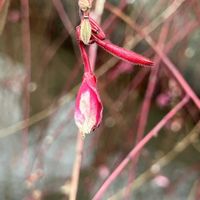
{"x":88,"y":110}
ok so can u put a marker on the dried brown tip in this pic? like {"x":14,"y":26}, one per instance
{"x":85,"y":31}
{"x":84,"y":5}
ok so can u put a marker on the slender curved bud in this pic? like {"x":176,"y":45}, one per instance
{"x":122,"y":53}
{"x":88,"y":108}
{"x":97,"y":30}
{"x":85,"y":31}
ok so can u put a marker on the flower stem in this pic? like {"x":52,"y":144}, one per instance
{"x":86,"y":62}
{"x":76,"y":167}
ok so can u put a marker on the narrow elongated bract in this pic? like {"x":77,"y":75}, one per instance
{"x":97,"y":30}
{"x":85,"y":31}
{"x":122,"y":53}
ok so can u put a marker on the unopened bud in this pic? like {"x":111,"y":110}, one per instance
{"x":88,"y":110}
{"x":85,"y":32}
{"x":84,"y":5}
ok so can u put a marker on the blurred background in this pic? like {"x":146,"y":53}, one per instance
{"x":39,"y":77}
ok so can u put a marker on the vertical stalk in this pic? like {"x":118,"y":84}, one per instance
{"x":26,"y":43}
{"x":76,"y":167}
{"x":86,"y":62}
{"x":97,"y":16}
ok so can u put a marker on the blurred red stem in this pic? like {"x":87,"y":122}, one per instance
{"x":196,"y":8}
{"x":76,"y":167}
{"x":151,"y":87}
{"x":138,"y":148}
{"x":144,"y":112}
{"x":49,"y":53}
{"x":170,"y":66}
{"x":26,"y":43}
{"x":86,"y":62}
{"x":111,"y":20}
{"x":177,"y":37}
{"x":176,"y":74}
{"x":65,"y":20}
{"x":93,"y":48}
{"x":63,"y":16}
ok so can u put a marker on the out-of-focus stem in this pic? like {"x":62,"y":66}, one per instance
{"x":97,"y":16}
{"x":49,"y":53}
{"x":170,"y":66}
{"x":163,"y":161}
{"x":63,"y":16}
{"x":84,"y":55}
{"x":76,"y":167}
{"x":196,"y":7}
{"x":138,"y":148}
{"x":65,"y":20}
{"x":150,"y":88}
{"x":26,"y":43}
{"x":4,"y":5}
{"x":112,"y":18}
{"x":144,"y":112}
{"x":177,"y":37}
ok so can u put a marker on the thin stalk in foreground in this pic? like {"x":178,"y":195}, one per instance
{"x":139,"y":147}
{"x":98,"y":11}
{"x":145,"y":108}
{"x":26,"y":43}
{"x":162,"y":162}
{"x":76,"y":168}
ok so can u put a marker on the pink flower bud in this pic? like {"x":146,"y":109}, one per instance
{"x":88,"y":110}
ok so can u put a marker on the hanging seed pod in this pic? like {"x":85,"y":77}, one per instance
{"x":85,"y":31}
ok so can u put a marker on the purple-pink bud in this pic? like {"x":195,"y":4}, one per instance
{"x":88,"y":108}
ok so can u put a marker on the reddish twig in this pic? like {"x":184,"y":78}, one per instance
{"x":150,"y":89}
{"x":63,"y":16}
{"x":49,"y":53}
{"x":170,"y":66}
{"x":196,"y":8}
{"x":76,"y":167}
{"x":65,"y":20}
{"x":112,"y":18}
{"x":26,"y":40}
{"x":144,"y":112}
{"x":87,"y":66}
{"x":97,"y":15}
{"x":138,"y":148}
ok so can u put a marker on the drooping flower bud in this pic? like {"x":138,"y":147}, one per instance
{"x":88,"y":108}
{"x":85,"y":31}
